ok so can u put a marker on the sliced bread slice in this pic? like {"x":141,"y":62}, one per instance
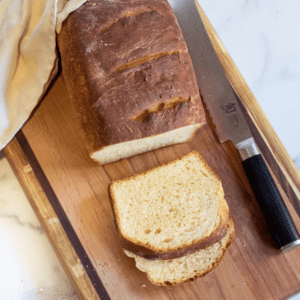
{"x":213,"y":238}
{"x":186,"y":268}
{"x":170,"y":208}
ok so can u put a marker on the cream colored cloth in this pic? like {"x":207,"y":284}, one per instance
{"x":28,"y":60}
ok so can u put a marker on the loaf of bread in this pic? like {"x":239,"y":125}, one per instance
{"x":130,"y":77}
{"x":170,"y":210}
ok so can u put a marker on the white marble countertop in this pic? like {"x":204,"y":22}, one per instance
{"x":29,"y":268}
{"x":262,"y":37}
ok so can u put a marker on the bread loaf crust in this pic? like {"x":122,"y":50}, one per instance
{"x":152,"y":255}
{"x":213,"y":266}
{"x":128,"y":72}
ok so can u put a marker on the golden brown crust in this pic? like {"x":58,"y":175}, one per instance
{"x":153,"y":253}
{"x":122,"y":59}
{"x":212,"y":267}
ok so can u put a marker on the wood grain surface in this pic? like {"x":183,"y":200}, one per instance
{"x":50,"y":222}
{"x":252,"y":268}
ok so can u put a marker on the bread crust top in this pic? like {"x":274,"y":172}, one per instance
{"x":128,"y":71}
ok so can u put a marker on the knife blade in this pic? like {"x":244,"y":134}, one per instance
{"x":230,"y":123}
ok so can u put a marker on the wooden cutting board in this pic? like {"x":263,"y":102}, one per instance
{"x":68,"y":192}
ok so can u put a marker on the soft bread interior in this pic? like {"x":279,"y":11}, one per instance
{"x":169,"y":207}
{"x":187,"y":268}
{"x":154,"y":109}
{"x":119,"y":151}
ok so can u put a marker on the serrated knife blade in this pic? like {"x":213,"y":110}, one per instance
{"x":230,"y":123}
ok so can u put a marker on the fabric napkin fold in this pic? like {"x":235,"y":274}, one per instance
{"x":28,"y":59}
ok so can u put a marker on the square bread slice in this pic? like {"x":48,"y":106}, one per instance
{"x":187,"y":268}
{"x":171,"y":210}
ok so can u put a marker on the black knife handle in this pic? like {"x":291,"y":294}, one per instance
{"x":280,"y":223}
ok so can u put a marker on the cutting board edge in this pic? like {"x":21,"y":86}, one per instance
{"x":54,"y":230}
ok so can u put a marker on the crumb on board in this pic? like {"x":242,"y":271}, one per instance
{"x":103,"y":264}
{"x":143,"y":285}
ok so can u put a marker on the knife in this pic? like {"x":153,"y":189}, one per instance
{"x":231,"y":125}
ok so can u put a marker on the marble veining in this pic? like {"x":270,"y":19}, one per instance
{"x":262,"y":37}
{"x":30,"y":269}
{"x":16,"y":220}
